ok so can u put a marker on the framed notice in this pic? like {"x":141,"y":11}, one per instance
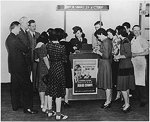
{"x":85,"y":76}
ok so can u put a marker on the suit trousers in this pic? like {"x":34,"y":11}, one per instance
{"x":21,"y":90}
{"x":34,"y":74}
{"x":141,"y":93}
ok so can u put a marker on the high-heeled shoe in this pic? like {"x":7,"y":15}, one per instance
{"x":51,"y":113}
{"x":106,"y":106}
{"x":117,"y":99}
{"x":122,"y":106}
{"x":127,"y":109}
{"x":63,"y":117}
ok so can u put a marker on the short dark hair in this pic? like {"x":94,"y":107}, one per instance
{"x":127,"y":24}
{"x":13,"y":25}
{"x":100,"y":31}
{"x":136,"y":26}
{"x":60,"y":34}
{"x":122,"y":31}
{"x":52,"y":34}
{"x":111,"y":31}
{"x":43,"y":38}
{"x":31,"y":21}
{"x":98,"y":22}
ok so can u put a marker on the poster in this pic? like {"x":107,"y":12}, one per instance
{"x":85,"y":76}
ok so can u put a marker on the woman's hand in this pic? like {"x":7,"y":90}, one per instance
{"x":134,"y":55}
{"x":39,"y":45}
{"x":117,"y":57}
{"x":74,"y":47}
{"x":37,"y":60}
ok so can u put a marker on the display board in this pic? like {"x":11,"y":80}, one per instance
{"x":85,"y":76}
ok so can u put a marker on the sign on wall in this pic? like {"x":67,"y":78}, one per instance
{"x":82,"y":7}
{"x":85,"y":76}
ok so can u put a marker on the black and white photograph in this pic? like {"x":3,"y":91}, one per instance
{"x":75,"y":60}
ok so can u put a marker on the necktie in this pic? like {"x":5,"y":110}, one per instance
{"x":34,"y":36}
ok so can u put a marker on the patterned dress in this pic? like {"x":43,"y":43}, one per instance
{"x":104,"y":78}
{"x":126,"y":72}
{"x":57,"y":57}
{"x":68,"y":72}
{"x":40,"y":53}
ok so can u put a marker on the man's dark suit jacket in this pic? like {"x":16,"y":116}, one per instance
{"x":33,"y":42}
{"x":23,"y":36}
{"x":16,"y":54}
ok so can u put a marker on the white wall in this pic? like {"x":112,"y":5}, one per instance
{"x":46,"y":16}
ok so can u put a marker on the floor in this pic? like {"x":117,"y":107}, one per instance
{"x":89,"y":110}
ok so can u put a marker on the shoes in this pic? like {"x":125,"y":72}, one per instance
{"x":15,"y":109}
{"x":51,"y":113}
{"x":117,"y":99}
{"x":106,"y":106}
{"x":127,"y":109}
{"x":44,"y":110}
{"x":122,"y":106}
{"x":30,"y":111}
{"x":66,"y":105}
{"x":61,"y":117}
{"x":142,"y":104}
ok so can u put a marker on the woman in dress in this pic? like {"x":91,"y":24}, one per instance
{"x":104,"y":77}
{"x":56,"y":87}
{"x":61,"y":35}
{"x":112,"y":35}
{"x":126,"y":79}
{"x":40,"y":54}
{"x":79,"y":38}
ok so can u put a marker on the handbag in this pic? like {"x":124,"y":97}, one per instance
{"x":45,"y":79}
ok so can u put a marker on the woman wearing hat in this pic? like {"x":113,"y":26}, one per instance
{"x":79,"y":38}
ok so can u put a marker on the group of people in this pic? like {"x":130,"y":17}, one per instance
{"x":122,"y":63}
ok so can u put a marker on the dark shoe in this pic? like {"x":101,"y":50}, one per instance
{"x":117,"y":100}
{"x":142,"y":104}
{"x":127,"y":109}
{"x":15,"y":109}
{"x":106,"y":106}
{"x":66,"y":105}
{"x":30,"y":111}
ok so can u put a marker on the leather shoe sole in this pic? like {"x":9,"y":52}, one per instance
{"x":30,"y":111}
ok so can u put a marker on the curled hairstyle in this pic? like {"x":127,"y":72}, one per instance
{"x":117,"y":28}
{"x":43,"y":38}
{"x":122,"y":31}
{"x":77,"y":28}
{"x":13,"y":25}
{"x":52,"y":34}
{"x":100,"y":31}
{"x":127,"y":24}
{"x":60,"y":34}
{"x":111,"y":31}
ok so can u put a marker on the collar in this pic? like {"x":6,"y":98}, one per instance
{"x":32,"y":33}
{"x":23,"y":30}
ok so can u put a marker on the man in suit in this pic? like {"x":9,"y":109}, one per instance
{"x":21,"y":85}
{"x":23,"y":36}
{"x":33,"y":35}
